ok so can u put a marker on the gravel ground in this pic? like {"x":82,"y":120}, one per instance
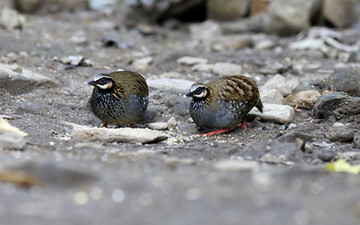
{"x":262,"y":176}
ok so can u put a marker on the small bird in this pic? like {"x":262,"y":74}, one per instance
{"x":119,"y":97}
{"x":221,"y":105}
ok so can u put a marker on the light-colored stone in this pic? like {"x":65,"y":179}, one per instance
{"x":337,"y":124}
{"x":170,"y":75}
{"x":171,"y":123}
{"x":11,"y":141}
{"x":232,"y":42}
{"x":225,"y":69}
{"x":142,"y":63}
{"x":271,"y":96}
{"x":288,"y":17}
{"x":188,"y":60}
{"x":21,"y":82}
{"x":203,"y":67}
{"x":227,"y":9}
{"x":158,"y":126}
{"x":275,"y":113}
{"x":308,"y":44}
{"x":236,"y":165}
{"x":171,"y":84}
{"x":5,"y":127}
{"x":339,"y":13}
{"x":205,"y":32}
{"x":11,"y":19}
{"x":303,"y":99}
{"x":264,"y":44}
{"x":278,"y":82}
{"x":126,"y":135}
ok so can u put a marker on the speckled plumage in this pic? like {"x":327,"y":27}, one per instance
{"x":119,"y":97}
{"x":223,"y":103}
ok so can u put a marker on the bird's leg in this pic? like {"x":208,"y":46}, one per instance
{"x":131,"y":125}
{"x":105,"y":125}
{"x":215,"y":132}
{"x":244,"y":123}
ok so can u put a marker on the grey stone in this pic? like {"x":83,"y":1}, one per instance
{"x":126,"y":135}
{"x":177,"y":85}
{"x":206,"y":32}
{"x":22,"y":82}
{"x":142,"y":63}
{"x":10,"y":19}
{"x":326,"y":156}
{"x":227,"y":9}
{"x":271,"y":96}
{"x":339,"y":13}
{"x":292,"y":136}
{"x":288,"y":17}
{"x":226,"y":69}
{"x":308,"y":44}
{"x":336,"y":106}
{"x":5,"y":127}
{"x":275,"y":113}
{"x":356,"y":143}
{"x":158,"y":126}
{"x":188,"y":60}
{"x":180,"y":104}
{"x":278,"y":82}
{"x":346,"y":80}
{"x":12,"y":141}
{"x":171,"y":123}
{"x":232,"y":42}
{"x":341,"y":134}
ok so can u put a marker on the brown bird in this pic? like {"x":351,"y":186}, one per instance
{"x":119,"y":97}
{"x":221,"y":105}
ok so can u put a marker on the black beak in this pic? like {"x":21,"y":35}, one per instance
{"x":190,"y":94}
{"x":91,"y":83}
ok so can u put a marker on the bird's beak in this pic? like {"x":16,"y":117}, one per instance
{"x":91,"y":82}
{"x":189,"y":94}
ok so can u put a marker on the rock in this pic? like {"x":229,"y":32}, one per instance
{"x":205,"y":32}
{"x":354,"y":56}
{"x":12,"y":141}
{"x":346,"y":80}
{"x":113,"y":42}
{"x":278,"y":82}
{"x":271,"y":96}
{"x":176,"y":85}
{"x":5,"y":127}
{"x":225,"y":69}
{"x":171,"y":123}
{"x":282,"y":153}
{"x":142,"y":63}
{"x":75,"y":60}
{"x":294,"y":135}
{"x":259,"y":6}
{"x":308,"y":44}
{"x":126,"y":135}
{"x":188,"y":60}
{"x":158,"y":126}
{"x":28,"y":5}
{"x":287,"y":17}
{"x":341,"y":134}
{"x":275,"y":113}
{"x":348,"y":156}
{"x":10,"y":19}
{"x":170,"y":75}
{"x":303,"y":99}
{"x":264,"y":44}
{"x":203,"y":67}
{"x":236,"y":165}
{"x":339,"y":13}
{"x":356,"y":143}
{"x":227,"y":9}
{"x":21,"y":82}
{"x":232,"y":42}
{"x":336,"y":106}
{"x":326,"y":156}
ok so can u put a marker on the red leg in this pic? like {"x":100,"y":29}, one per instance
{"x":243,"y":124}
{"x":215,"y":132}
{"x":131,"y":125}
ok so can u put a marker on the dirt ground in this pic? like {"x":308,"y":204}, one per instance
{"x":176,"y":181}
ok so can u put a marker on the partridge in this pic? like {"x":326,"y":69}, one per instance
{"x":221,"y":105}
{"x":119,"y":97}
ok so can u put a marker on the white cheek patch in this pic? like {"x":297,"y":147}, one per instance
{"x":104,"y":86}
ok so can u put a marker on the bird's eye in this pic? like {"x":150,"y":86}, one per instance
{"x":102,"y":81}
{"x":199,"y":90}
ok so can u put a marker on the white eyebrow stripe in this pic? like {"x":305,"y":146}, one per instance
{"x":99,"y":76}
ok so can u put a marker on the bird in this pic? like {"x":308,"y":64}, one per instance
{"x":221,"y":105}
{"x":119,"y":97}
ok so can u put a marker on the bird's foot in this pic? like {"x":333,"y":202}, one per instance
{"x":212,"y":133}
{"x":243,"y":124}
